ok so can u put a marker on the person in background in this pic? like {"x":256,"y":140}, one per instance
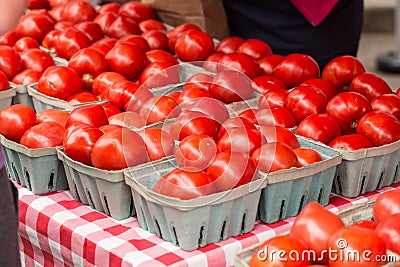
{"x":10,"y":12}
{"x":322,"y":29}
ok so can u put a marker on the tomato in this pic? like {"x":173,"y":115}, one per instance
{"x":190,"y":94}
{"x":198,"y":81}
{"x":194,"y":46}
{"x":127,"y":119}
{"x":10,"y":61}
{"x":322,"y":85}
{"x":303,"y":101}
{"x":307,"y":156}
{"x":93,"y":115}
{"x":242,"y":63}
{"x":278,"y":116}
{"x":389,"y":103}
{"x":240,"y":139}
{"x":82,"y":97}
{"x":102,"y":83}
{"x":158,"y":74}
{"x":63,"y":25}
{"x":279,"y":134}
{"x":4,"y":84}
{"x":35,"y":26}
{"x":341,"y":70}
{"x":275,"y":156}
{"x":274,"y":98}
{"x":55,"y":3}
{"x":156,"y":39}
{"x":36,"y":59}
{"x":280,"y":251}
{"x":110,"y":109}
{"x":38,"y":4}
{"x":195,"y":152}
{"x":231,"y":86}
{"x":387,"y":204}
{"x":320,"y":127}
{"x":25,"y":77}
{"x":269,"y":62}
{"x":231,"y":169}
{"x":314,"y":227}
{"x":71,"y":41}
{"x":177,"y":31}
{"x":213,"y":108}
{"x":389,"y":231}
{"x":160,"y":55}
{"x":53,"y":115}
{"x":88,"y":63}
{"x":43,"y":135}
{"x":134,"y":97}
{"x":365,"y":242}
{"x":351,"y":142}
{"x":127,"y":59}
{"x":254,"y":48}
{"x":235,"y":122}
{"x":79,"y":10}
{"x":137,"y":11}
{"x":108,"y":7}
{"x":59,"y":82}
{"x":212,"y":61}
{"x":105,"y":20}
{"x":159,"y":108}
{"x":175,"y":96}
{"x":229,"y":44}
{"x":104,"y":45}
{"x":126,"y":146}
{"x":79,"y":140}
{"x":159,"y":143}
{"x":380,"y":128}
{"x":365,"y":224}
{"x":265,"y":83}
{"x":50,"y":39}
{"x":150,"y":25}
{"x":185,"y":185}
{"x":370,"y":85}
{"x":249,"y":114}
{"x":122,"y":26}
{"x":9,"y":38}
{"x":56,"y":13}
{"x":348,"y":108}
{"x":91,"y":29}
{"x":15,"y":120}
{"x":25,"y":43}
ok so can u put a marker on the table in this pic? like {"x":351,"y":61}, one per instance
{"x":56,"y":230}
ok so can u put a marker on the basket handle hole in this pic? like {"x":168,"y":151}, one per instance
{"x":339,"y":184}
{"x":106,"y":207}
{"x":281,"y":212}
{"x":321,"y":190}
{"x":396,"y":172}
{"x":50,"y":185}
{"x":15,"y":173}
{"x":76,"y":192}
{"x":158,"y":228}
{"x":223,"y":231}
{"x":243,"y":228}
{"x":132,"y":207}
{"x":28,"y":180}
{"x":363,"y":184}
{"x":175,"y":236}
{"x":90,"y":198}
{"x":202,"y":236}
{"x":302,"y":202}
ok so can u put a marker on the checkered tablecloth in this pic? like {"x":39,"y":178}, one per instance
{"x":56,"y":230}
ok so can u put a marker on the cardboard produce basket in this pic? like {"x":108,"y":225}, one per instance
{"x":22,"y":96}
{"x":38,"y":169}
{"x":367,"y":170}
{"x":103,"y":190}
{"x":6,"y":96}
{"x":194,"y":223}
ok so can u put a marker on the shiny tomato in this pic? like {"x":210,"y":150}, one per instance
{"x":249,"y":114}
{"x":307,"y":156}
{"x":269,"y":62}
{"x":254,"y":48}
{"x":158,"y":74}
{"x":235,"y":122}
{"x":127,"y":119}
{"x":389,"y":231}
{"x":71,"y":41}
{"x":91,"y":29}
{"x":265,"y":83}
{"x":43,"y":135}
{"x":369,"y":85}
{"x":79,"y":10}
{"x":213,"y":108}
{"x":240,"y":139}
{"x":108,"y":7}
{"x":348,"y":108}
{"x":4,"y":84}
{"x":104,"y":45}
{"x":59,"y":82}
{"x":102,"y":83}
{"x":15,"y":120}
{"x":93,"y":115}
{"x":156,"y":39}
{"x":322,"y":85}
{"x":279,"y":134}
{"x":134,"y":96}
{"x":50,"y":39}
{"x":365,"y":224}
{"x":55,"y":3}
{"x":177,"y":31}
{"x":36,"y":59}
{"x":25,"y":77}
{"x":137,"y":11}
{"x":351,"y":142}
{"x":25,"y":43}
{"x":82,"y":97}
{"x":389,"y":103}
{"x":150,"y":25}
{"x":9,"y":38}
{"x":229,"y":44}
{"x":159,"y":144}
{"x":53,"y":115}
{"x":195,"y":152}
{"x":194,"y":46}
{"x":35,"y":26}
{"x":159,"y":108}
{"x":105,"y":19}
{"x":273,"y":98}
{"x":185,"y":185}
{"x":110,"y":109}
{"x":190,"y":94}
{"x":10,"y":61}
{"x":38,"y":4}
{"x":198,"y":81}
{"x":231,"y":169}
{"x":314,"y":227}
{"x":175,"y":96}
{"x":275,"y":116}
{"x":242,"y":63}
{"x":387,"y":204}
{"x":63,"y":25}
{"x":275,"y":156}
{"x":212,"y":61}
{"x":320,"y":127}
{"x":122,"y":26}
{"x":158,"y":55}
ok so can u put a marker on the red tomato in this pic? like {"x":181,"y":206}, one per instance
{"x":93,"y":115}
{"x":102,"y":83}
{"x":122,"y":26}
{"x":348,"y":108}
{"x":231,"y":169}
{"x":63,"y":25}
{"x":15,"y":120}
{"x":159,"y":108}
{"x":4,"y":84}
{"x":275,"y":156}
{"x":79,"y":10}
{"x":36,"y":59}
{"x":110,"y":127}
{"x":389,"y":103}
{"x":389,"y":231}
{"x":35,"y":26}
{"x":158,"y":74}
{"x":127,"y":59}
{"x":275,"y":116}
{"x":195,"y":152}
{"x":194,"y":46}
{"x":59,"y":82}
{"x":38,"y":4}
{"x":105,"y":20}
{"x":280,"y":251}
{"x":127,"y":119}
{"x":43,"y":135}
{"x":126,"y":147}
{"x":25,"y":43}
{"x":314,"y":227}
{"x":341,"y":70}
{"x":366,"y":242}
{"x":110,"y":109}
{"x":137,"y":11}
{"x":150,"y":25}
{"x":274,"y":98}
{"x":320,"y":127}
{"x":108,"y":7}
{"x":156,"y":39}
{"x":88,"y":63}
{"x":91,"y":29}
{"x":254,"y":48}
{"x":351,"y":142}
{"x":365,"y":224}
{"x":279,"y":134}
{"x":82,"y":97}
{"x":185,"y":185}
{"x":249,"y":114}
{"x":10,"y":61}
{"x":265,"y":83}
{"x":177,"y":31}
{"x":71,"y":41}
{"x":231,"y":86}
{"x":387,"y":204}
{"x":369,"y":85}
{"x":134,"y":97}
{"x":235,"y":122}
{"x":175,"y":96}
{"x":212,"y":61}
{"x":104,"y":45}
{"x":190,"y":94}
{"x":269,"y":62}
{"x":307,"y":156}
{"x":295,"y":69}
{"x":25,"y":77}
{"x":380,"y":128}
{"x":198,"y":81}
{"x":303,"y":101}
{"x":160,"y":55}
{"x":9,"y":38}
{"x":242,"y":63}
{"x":55,"y":3}
{"x":229,"y":44}
{"x":241,"y":139}
{"x":322,"y":85}
{"x":50,"y":39}
{"x":53,"y":115}
{"x":213,"y":108}
{"x":159,"y":144}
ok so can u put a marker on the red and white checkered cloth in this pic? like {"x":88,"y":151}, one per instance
{"x":55,"y":230}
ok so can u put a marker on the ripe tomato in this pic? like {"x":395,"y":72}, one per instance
{"x":50,"y":39}
{"x":273,"y":98}
{"x":4,"y":84}
{"x":10,"y":61}
{"x":126,"y":147}
{"x":15,"y":120}
{"x":105,"y":19}
{"x":25,"y":43}
{"x":91,"y":29}
{"x":198,"y":81}
{"x":135,"y":39}
{"x":389,"y":103}
{"x":38,"y":4}
{"x":185,"y":185}
{"x":35,"y":26}
{"x":110,"y":109}
{"x":25,"y":77}
{"x":159,"y":108}
{"x":322,"y":85}
{"x":320,"y":127}
{"x":235,"y":122}
{"x":348,"y":108}
{"x":303,"y":101}
{"x":265,"y":83}
{"x":241,"y":139}
{"x":104,"y":45}
{"x":71,"y":41}
{"x":195,"y":152}
{"x":389,"y":231}
{"x":242,"y":63}
{"x":53,"y":115}
{"x":156,"y":39}
{"x":341,"y":70}
{"x":150,"y":25}
{"x":213,"y":108}
{"x":122,"y":26}
{"x":160,"y":55}
{"x":82,"y":97}
{"x":231,"y":169}
{"x":9,"y":38}
{"x":194,"y":46}
{"x":212,"y":61}
{"x":307,"y":156}
{"x":275,"y":156}
{"x":369,"y":85}
{"x":133,"y":98}
{"x":127,"y":119}
{"x":254,"y":48}
{"x":177,"y":31}
{"x":79,"y":10}
{"x":63,"y":25}
{"x":137,"y":11}
{"x":269,"y":62}
{"x":190,"y":94}
{"x":387,"y":204}
{"x":159,"y":144}
{"x":279,"y":134}
{"x":158,"y":74}
{"x":59,"y":82}
{"x":365,"y":224}
{"x":108,"y":7}
{"x":314,"y":227}
{"x":351,"y":142}
{"x":275,"y":116}
{"x":43,"y":135}
{"x":36,"y":59}
{"x":249,"y":114}
{"x":229,"y":44}
{"x":102,"y":83}
{"x":93,"y":115}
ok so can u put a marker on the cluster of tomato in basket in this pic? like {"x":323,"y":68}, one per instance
{"x":320,"y":238}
